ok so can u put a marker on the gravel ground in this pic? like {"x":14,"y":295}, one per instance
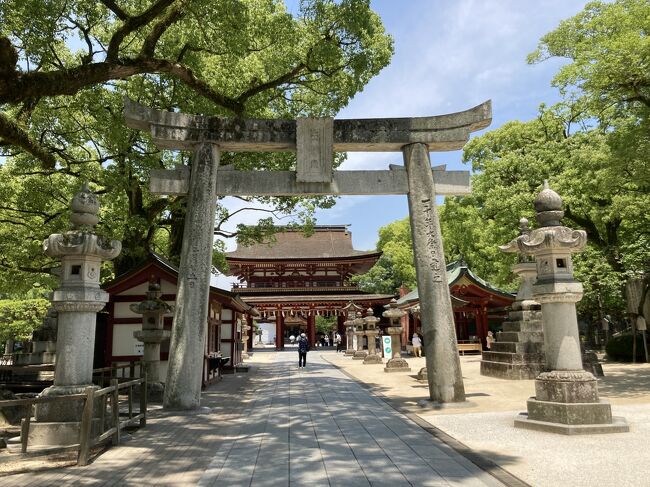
{"x":540,"y":459}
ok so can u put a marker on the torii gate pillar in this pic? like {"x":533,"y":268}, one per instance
{"x":183,"y":385}
{"x":440,"y":346}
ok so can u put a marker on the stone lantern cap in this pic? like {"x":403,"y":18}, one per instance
{"x":550,"y":234}
{"x":81,"y":241}
{"x":352,"y":309}
{"x":153,"y":303}
{"x":548,"y":206}
{"x":393,"y":312}
{"x":85,"y":207}
{"x":370,"y":319}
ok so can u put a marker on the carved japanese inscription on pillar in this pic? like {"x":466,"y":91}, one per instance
{"x":315,"y":150}
{"x":432,"y":246}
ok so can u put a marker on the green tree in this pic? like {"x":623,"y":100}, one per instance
{"x":65,"y":66}
{"x":395,"y":267}
{"x":325,"y":325}
{"x":19,"y":318}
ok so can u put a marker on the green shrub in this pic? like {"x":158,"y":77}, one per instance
{"x":20,"y":317}
{"x":620,"y":348}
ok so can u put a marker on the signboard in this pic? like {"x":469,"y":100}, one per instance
{"x":139,"y":349}
{"x":387,"y":346}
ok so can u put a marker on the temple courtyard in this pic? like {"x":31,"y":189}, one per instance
{"x":339,"y":422}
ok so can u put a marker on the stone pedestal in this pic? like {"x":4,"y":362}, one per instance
{"x":244,"y":339}
{"x":396,"y":363}
{"x":350,"y":339}
{"x":566,"y":398}
{"x":519,"y":351}
{"x":373,"y":357}
{"x":77,"y":302}
{"x":359,"y":353}
{"x":567,"y":402}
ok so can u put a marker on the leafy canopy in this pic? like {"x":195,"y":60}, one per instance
{"x":66,"y":64}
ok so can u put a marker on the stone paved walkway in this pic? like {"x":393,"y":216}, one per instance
{"x":276,"y":426}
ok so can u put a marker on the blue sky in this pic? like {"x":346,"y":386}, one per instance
{"x":450,"y":55}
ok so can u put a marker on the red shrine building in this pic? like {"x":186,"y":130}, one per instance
{"x":295,"y":278}
{"x":478,"y":306}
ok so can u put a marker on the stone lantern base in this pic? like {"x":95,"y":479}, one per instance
{"x":350,"y":352}
{"x":422,"y":375}
{"x":360,"y":354}
{"x":567,"y":402}
{"x":373,"y":358}
{"x":397,"y":364}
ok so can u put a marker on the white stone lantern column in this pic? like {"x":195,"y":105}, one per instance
{"x":77,"y":302}
{"x":566,"y":397}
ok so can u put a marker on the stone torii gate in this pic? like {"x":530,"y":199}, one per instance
{"x":314,"y":140}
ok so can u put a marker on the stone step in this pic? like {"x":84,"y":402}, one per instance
{"x":514,"y":358}
{"x":521,"y":336}
{"x":508,"y":371}
{"x":34,"y":358}
{"x":532,"y":326}
{"x":524,"y":315}
{"x":514,"y":347}
{"x":38,"y":347}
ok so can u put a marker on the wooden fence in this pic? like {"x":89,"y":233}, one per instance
{"x":91,"y":397}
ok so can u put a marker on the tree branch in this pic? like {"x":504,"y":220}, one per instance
{"x":70,"y":81}
{"x":12,"y":133}
{"x":113,"y":7}
{"x":285,"y":78}
{"x":131,"y":24}
{"x":149,"y":44}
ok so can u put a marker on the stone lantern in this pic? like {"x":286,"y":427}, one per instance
{"x":245,"y":333}
{"x":359,"y":332}
{"x":371,"y":332}
{"x":77,"y":301}
{"x":351,"y":310}
{"x":394,"y":314}
{"x":566,"y":397}
{"x":153,"y":309}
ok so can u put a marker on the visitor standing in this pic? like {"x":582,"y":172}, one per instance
{"x":337,"y":340}
{"x":489,"y":339}
{"x":327,"y":340}
{"x":303,"y":348}
{"x":292,"y":339}
{"x":417,"y":345}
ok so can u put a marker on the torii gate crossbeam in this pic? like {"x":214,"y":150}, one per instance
{"x":314,"y":140}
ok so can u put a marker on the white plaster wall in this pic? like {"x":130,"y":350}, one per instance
{"x":123,"y":341}
{"x":122,"y":310}
{"x":268,"y":332}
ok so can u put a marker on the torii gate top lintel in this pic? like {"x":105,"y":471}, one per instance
{"x":171,"y":130}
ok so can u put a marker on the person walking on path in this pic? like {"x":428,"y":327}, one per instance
{"x":303,"y":348}
{"x":337,"y":340}
{"x":417,"y":345}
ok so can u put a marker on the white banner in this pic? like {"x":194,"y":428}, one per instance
{"x":387,"y":346}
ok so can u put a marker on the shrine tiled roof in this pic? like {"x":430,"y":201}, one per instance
{"x":455,"y":271}
{"x":326,"y":242}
